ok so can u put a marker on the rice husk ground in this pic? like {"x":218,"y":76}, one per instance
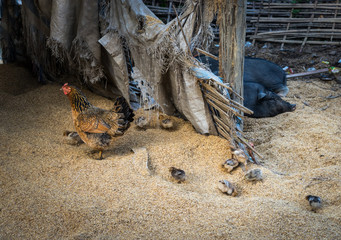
{"x":52,"y":190}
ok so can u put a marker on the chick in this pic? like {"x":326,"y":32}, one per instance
{"x":239,"y":155}
{"x":227,"y":187}
{"x":254,"y":175}
{"x":72,"y":138}
{"x":230,"y":164}
{"x":314,"y":202}
{"x":141,"y":122}
{"x":167,"y":123}
{"x":177,"y":174}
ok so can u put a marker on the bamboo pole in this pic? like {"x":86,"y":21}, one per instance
{"x":217,"y":107}
{"x":293,"y":31}
{"x":300,"y":41}
{"x":243,"y":108}
{"x":222,"y":99}
{"x":333,"y":27}
{"x":288,"y":26}
{"x":169,"y":11}
{"x":212,"y":89}
{"x":207,"y":54}
{"x":227,"y":128}
{"x":298,"y":20}
{"x":305,"y":5}
{"x":298,"y":25}
{"x":222,"y":85}
{"x":308,"y":73}
{"x":223,"y":132}
{"x":222,"y":107}
{"x":298,"y":34}
{"x":253,"y":149}
{"x":257,"y":24}
{"x":217,"y":93}
{"x":309,"y":27}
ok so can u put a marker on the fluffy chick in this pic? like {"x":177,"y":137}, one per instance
{"x":72,"y":138}
{"x":227,"y":188}
{"x":239,"y":155}
{"x":167,"y":123}
{"x":254,"y":175}
{"x":230,"y":164}
{"x":142,"y":122}
{"x":314,"y":202}
{"x":177,"y":174}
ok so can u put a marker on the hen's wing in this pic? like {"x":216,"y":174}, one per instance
{"x":96,"y":120}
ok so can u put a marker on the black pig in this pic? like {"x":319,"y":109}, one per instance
{"x":257,"y":70}
{"x":264,"y":103}
{"x":262,"y":80}
{"x":266,"y":73}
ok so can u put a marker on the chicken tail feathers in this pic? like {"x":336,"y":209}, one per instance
{"x":126,"y":114}
{"x":121,"y":106}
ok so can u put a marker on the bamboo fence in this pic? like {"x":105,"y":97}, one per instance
{"x":311,"y":22}
{"x":281,"y":21}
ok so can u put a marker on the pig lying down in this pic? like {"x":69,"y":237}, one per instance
{"x":268,"y":74}
{"x":264,"y":85}
{"x":264,"y":103}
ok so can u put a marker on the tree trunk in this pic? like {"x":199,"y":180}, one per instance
{"x":232,"y":26}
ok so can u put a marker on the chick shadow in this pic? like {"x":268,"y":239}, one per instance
{"x":134,"y":137}
{"x":174,"y":128}
{"x":72,"y":138}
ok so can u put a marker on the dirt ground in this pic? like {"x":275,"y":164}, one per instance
{"x":51,"y":190}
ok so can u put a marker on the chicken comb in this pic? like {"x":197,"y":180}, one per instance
{"x":62,"y":88}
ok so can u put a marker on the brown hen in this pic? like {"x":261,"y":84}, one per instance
{"x":98,"y":127}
